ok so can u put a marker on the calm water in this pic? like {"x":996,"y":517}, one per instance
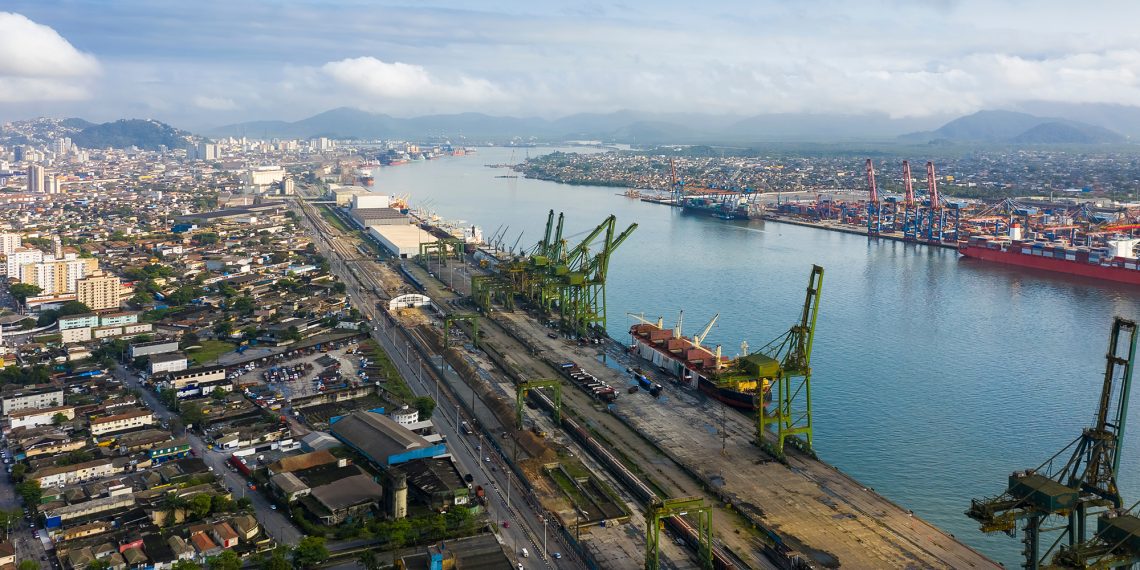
{"x":934,"y":377}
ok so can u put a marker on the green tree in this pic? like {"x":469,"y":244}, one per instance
{"x":188,"y":339}
{"x":339,"y":287}
{"x":30,"y":492}
{"x":169,"y":398}
{"x":207,"y":238}
{"x":292,"y":333}
{"x":58,"y":419}
{"x":310,"y":552}
{"x":276,"y":560}
{"x":244,"y":305}
{"x":21,"y":291}
{"x":223,"y":329}
{"x":227,"y":560}
{"x":369,"y":561}
{"x":200,"y":505}
{"x":185,"y":565}
{"x":192,"y":415}
{"x":425,"y":405}
{"x":73,"y":308}
{"x":18,"y":472}
{"x":218,"y":394}
{"x":221,"y":504}
{"x":28,"y":565}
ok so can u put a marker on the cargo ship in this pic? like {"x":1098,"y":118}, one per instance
{"x":737,"y":382}
{"x":729,"y":206}
{"x":1114,"y":261}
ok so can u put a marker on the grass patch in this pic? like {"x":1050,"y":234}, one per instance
{"x":333,"y":219}
{"x":210,"y":351}
{"x":394,"y":383}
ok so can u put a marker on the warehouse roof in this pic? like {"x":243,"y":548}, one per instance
{"x":376,"y":435}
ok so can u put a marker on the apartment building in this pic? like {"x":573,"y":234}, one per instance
{"x":99,"y":291}
{"x":133,"y":419}
{"x":19,"y":398}
{"x":55,"y":276}
{"x":33,"y":417}
{"x":57,"y":476}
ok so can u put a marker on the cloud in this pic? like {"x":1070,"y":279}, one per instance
{"x":37,"y":64}
{"x":408,"y":82}
{"x":215,"y":103}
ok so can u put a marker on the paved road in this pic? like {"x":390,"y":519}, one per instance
{"x":275,"y":523}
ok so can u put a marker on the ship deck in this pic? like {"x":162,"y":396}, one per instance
{"x":818,"y":510}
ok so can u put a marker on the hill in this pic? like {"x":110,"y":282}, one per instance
{"x":125,"y":133}
{"x":1015,"y":128}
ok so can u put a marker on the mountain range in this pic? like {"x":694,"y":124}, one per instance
{"x":1012,"y":127}
{"x":1000,"y":126}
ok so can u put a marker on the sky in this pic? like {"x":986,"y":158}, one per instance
{"x":206,"y":63}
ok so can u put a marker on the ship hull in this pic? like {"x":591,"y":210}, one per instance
{"x":1117,"y":273}
{"x":734,"y":398}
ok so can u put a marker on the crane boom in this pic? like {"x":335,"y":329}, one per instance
{"x":699,"y":338}
{"x":935,"y":201}
{"x":908,"y":198}
{"x":871,"y":187}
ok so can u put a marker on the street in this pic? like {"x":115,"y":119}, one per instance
{"x":275,"y":524}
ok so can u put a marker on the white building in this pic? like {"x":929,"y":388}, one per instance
{"x":22,"y":256}
{"x":10,"y":242}
{"x":30,"y":398}
{"x":370,"y":201}
{"x":262,"y":178}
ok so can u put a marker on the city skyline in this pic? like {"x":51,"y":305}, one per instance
{"x":204,"y":65}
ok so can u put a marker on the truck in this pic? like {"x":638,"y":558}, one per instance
{"x":466,"y":427}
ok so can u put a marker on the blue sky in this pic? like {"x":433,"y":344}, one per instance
{"x":205,"y":63}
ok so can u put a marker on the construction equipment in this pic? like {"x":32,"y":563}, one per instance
{"x":790,"y":411}
{"x":526,"y":386}
{"x":658,"y":510}
{"x":1086,"y":481}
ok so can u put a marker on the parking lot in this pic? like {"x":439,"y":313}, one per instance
{"x":299,"y":373}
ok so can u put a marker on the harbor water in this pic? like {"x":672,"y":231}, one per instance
{"x":934,"y":376}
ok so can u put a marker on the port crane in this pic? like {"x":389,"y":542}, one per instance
{"x":790,"y":411}
{"x":874,"y":208}
{"x":700,"y":337}
{"x":1087,"y":480}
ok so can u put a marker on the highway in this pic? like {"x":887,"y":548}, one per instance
{"x":525,"y":528}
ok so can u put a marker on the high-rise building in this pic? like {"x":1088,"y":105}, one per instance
{"x":21,"y":256}
{"x":99,"y":291}
{"x":9,"y":243}
{"x":36,"y":179}
{"x":207,"y":151}
{"x":51,"y":185}
{"x":57,"y":246}
{"x":55,"y":276}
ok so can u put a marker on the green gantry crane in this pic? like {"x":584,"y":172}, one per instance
{"x":524,"y":387}
{"x":655,"y":514}
{"x":790,"y":410}
{"x":457,"y":317}
{"x":1086,"y":481}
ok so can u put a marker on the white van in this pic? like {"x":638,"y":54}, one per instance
{"x":525,"y":553}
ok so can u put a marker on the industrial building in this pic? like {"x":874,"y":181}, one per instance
{"x":382,"y":441}
{"x":403,"y":240}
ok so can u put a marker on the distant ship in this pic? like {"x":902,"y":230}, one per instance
{"x":1115,"y":261}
